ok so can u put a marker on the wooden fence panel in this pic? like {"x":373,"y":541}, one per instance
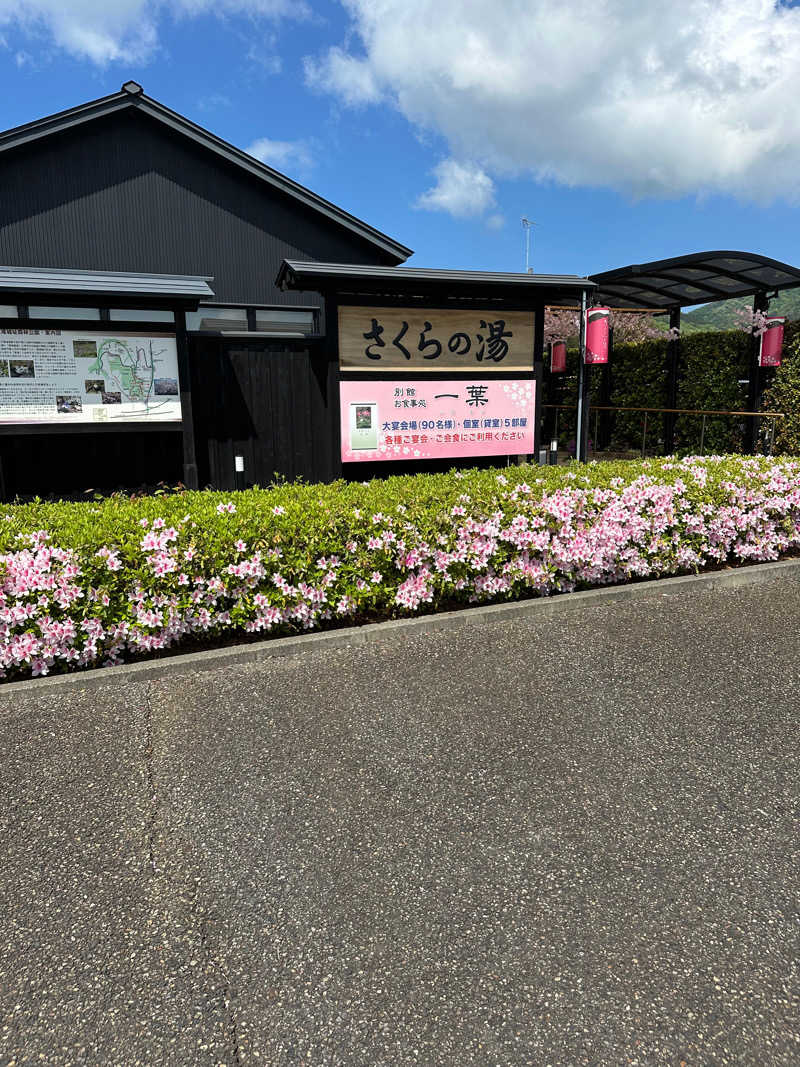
{"x":273,"y":402}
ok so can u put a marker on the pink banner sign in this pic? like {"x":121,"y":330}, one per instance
{"x":597,"y":335}
{"x":412,"y":420}
{"x":772,"y":342}
{"x":558,"y":357}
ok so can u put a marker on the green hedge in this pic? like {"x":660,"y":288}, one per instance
{"x":86,"y":584}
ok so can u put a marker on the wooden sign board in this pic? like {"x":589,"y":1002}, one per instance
{"x":435,"y":339}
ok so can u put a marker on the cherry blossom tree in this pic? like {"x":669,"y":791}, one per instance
{"x":754,"y":322}
{"x":630,"y":327}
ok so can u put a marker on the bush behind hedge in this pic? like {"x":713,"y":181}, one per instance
{"x":85,"y":584}
{"x":783,"y":394}
{"x":711,"y":366}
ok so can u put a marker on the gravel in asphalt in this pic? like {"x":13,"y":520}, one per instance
{"x":544,"y":841}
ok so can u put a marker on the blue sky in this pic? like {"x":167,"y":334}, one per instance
{"x":443,"y":122}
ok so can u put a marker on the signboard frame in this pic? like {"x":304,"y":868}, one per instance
{"x":37,"y":333}
{"x":434,"y":339}
{"x":481,"y":442}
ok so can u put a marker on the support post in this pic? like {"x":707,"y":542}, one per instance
{"x":187,"y":417}
{"x":673,"y":363}
{"x":582,"y":428}
{"x":760,"y":303}
{"x":538,"y":375}
{"x":334,"y":459}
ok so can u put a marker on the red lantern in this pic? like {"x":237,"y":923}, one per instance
{"x":558,"y":357}
{"x":597,"y":334}
{"x":771,"y":342}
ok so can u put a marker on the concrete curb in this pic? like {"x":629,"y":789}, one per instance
{"x":193,"y":662}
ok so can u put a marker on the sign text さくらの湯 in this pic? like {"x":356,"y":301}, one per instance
{"x":434,"y":339}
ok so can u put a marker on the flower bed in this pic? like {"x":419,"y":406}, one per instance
{"x":90,"y":584}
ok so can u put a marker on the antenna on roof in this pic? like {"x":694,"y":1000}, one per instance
{"x":526,"y":225}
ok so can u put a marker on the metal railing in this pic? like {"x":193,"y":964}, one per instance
{"x":704,"y":413}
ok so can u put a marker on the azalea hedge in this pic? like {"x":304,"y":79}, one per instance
{"x":97,"y":583}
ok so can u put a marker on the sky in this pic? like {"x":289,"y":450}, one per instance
{"x":625,"y":131}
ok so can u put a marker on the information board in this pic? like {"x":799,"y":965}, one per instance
{"x":411,"y":340}
{"x":63,"y":377}
{"x":412,"y":420}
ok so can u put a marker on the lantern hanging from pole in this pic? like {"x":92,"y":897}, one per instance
{"x":597,"y":334}
{"x":558,"y":357}
{"x":771,"y":342}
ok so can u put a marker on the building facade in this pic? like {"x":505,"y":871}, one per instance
{"x":125,"y":185}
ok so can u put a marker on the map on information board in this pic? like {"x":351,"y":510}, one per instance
{"x":60,"y":376}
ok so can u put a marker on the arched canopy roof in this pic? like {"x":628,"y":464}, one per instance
{"x":699,"y":278}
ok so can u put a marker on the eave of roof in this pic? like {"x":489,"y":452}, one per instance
{"x":114,"y":283}
{"x":698,"y":278}
{"x":297,"y":274}
{"x":127,"y":99}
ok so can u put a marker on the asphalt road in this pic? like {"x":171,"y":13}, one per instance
{"x":557,"y":841}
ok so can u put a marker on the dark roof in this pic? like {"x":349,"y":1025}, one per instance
{"x":347,"y":277}
{"x":700,"y":278}
{"x":132,"y":96}
{"x":52,"y":280}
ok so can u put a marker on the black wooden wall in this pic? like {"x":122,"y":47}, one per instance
{"x":76,"y":464}
{"x":125,"y":193}
{"x":273,"y":402}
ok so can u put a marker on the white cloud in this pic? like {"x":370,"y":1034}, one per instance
{"x":350,"y":78}
{"x":654,"y":99}
{"x":267,"y":59}
{"x":214,"y":102}
{"x":106,"y":32}
{"x":283,"y":155}
{"x":461,"y":189}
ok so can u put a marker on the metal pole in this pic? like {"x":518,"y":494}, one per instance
{"x":538,"y":377}
{"x":703,"y":437}
{"x":187,"y":418}
{"x":772,"y":436}
{"x":673,"y":358}
{"x":644,"y":436}
{"x":527,"y":227}
{"x":581,"y":427}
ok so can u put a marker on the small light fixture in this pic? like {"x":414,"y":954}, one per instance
{"x":238,"y":472}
